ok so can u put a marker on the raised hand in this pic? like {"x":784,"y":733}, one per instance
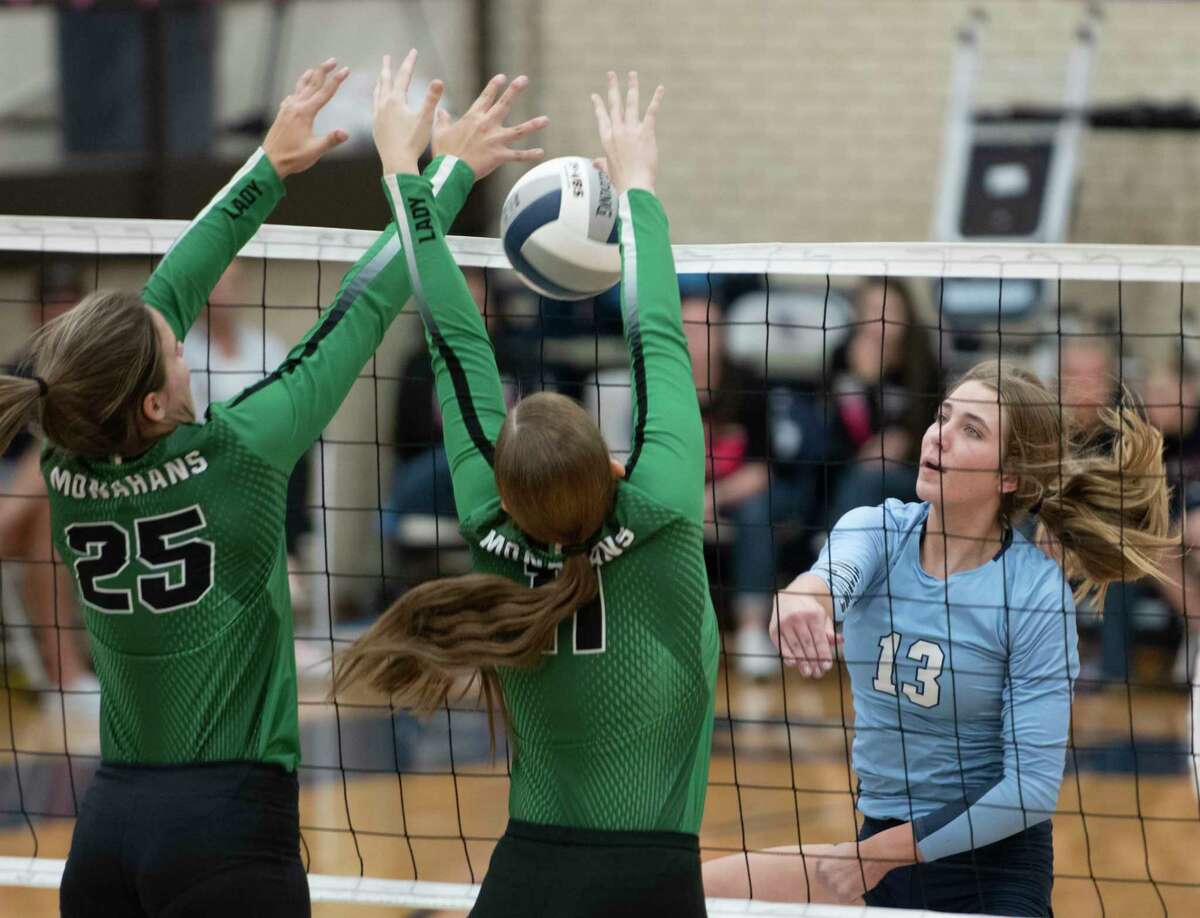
{"x":630,"y":147}
{"x":479,"y":138}
{"x":401,"y":134}
{"x":290,"y":144}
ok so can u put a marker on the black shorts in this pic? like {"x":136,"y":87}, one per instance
{"x":1013,"y":876}
{"x":196,"y":840}
{"x":586,"y":873}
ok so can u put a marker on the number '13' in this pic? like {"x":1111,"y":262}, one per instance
{"x":926,"y":692}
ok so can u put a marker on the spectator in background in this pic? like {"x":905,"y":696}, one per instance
{"x":1171,"y":394}
{"x":853,"y":441}
{"x":1088,"y":383}
{"x":226,"y":356}
{"x":886,"y":386}
{"x":47,"y":588}
{"x":733,"y":408}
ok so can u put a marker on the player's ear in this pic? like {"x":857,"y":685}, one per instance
{"x":154,"y":407}
{"x":1008,"y":483}
{"x":618,"y":469}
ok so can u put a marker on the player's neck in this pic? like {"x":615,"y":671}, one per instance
{"x":952,"y":543}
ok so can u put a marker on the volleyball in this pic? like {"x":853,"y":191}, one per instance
{"x":559,"y":228}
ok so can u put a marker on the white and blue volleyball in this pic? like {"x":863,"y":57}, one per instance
{"x":559,"y":229}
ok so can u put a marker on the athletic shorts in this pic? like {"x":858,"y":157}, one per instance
{"x":1013,"y":876}
{"x":193,"y":840}
{"x":539,"y":870}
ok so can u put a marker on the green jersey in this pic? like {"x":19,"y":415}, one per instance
{"x":613,"y":730}
{"x":178,"y":554}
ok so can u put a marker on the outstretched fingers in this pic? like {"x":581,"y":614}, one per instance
{"x":302,"y":83}
{"x":614,"y":98}
{"x":487,"y":98}
{"x":405,"y":74}
{"x":314,"y":79}
{"x":327,"y":89}
{"x":383,"y":84}
{"x":433,"y":95}
{"x":631,"y":99}
{"x":651,"y":118}
{"x":517,"y":131}
{"x":531,"y":155}
{"x":500,"y":110}
{"x":602,"y":119}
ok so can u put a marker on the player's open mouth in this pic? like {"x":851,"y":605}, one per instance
{"x":931,"y":465}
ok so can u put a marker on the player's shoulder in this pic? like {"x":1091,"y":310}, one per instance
{"x":905,"y":516}
{"x":894,"y":517}
{"x":1034,"y":579}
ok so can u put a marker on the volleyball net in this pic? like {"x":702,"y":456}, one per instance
{"x":813,"y":376}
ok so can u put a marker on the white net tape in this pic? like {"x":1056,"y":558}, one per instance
{"x":1170,"y":264}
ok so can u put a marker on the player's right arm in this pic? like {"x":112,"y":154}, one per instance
{"x":667,"y":453}
{"x":466,"y":377}
{"x":805,"y":611}
{"x":183,"y":280}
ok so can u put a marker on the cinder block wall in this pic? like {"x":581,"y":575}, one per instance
{"x":821,"y":120}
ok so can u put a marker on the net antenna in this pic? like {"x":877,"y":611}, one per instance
{"x":1008,"y":176}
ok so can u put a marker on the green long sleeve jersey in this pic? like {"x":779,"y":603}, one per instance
{"x":613,"y":730}
{"x":178,"y":554}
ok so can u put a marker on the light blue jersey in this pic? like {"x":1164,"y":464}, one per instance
{"x":962,"y":687}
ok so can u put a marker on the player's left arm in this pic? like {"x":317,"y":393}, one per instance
{"x":1043,"y":663}
{"x":183,"y":280}
{"x":667,"y":453}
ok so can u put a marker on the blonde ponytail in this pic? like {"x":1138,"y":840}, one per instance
{"x":1109,"y":509}
{"x":459,"y":631}
{"x":1103,"y":498}
{"x":20,"y":401}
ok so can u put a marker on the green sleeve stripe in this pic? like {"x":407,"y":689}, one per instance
{"x":633,"y":330}
{"x":351,"y":293}
{"x":458,"y":376}
{"x":249,"y":165}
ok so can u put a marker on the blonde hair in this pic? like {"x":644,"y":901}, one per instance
{"x":98,"y":362}
{"x":553,"y":474}
{"x":1102,"y":496}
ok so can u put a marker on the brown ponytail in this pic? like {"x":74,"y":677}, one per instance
{"x":98,"y":361}
{"x":444,"y":631}
{"x":1102,"y":497}
{"x":19,"y":403}
{"x":553,"y":473}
